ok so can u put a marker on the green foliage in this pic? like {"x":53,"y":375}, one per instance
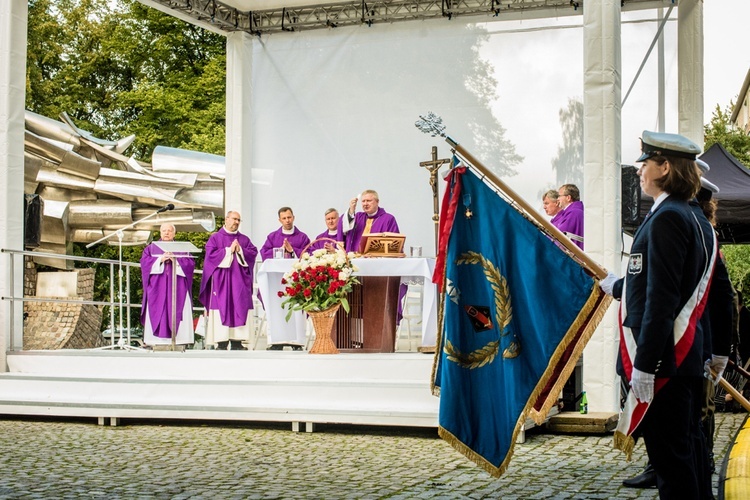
{"x":720,"y":129}
{"x":737,"y":258}
{"x":121,"y":68}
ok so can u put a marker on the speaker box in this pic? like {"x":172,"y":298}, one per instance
{"x":32,"y":222}
{"x":631,"y":197}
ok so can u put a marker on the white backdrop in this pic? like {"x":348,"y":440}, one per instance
{"x":333,"y":111}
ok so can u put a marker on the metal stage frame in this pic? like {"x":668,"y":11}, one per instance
{"x":228,"y":15}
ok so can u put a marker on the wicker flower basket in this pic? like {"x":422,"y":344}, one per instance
{"x":323,"y":325}
{"x":322,"y":319}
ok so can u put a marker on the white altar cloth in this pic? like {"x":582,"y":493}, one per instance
{"x":271,"y":271}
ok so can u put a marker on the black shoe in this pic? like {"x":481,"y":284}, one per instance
{"x":222,"y":346}
{"x":297,"y":348}
{"x":237,"y":346}
{"x":646,"y":479}
{"x":275,"y":347}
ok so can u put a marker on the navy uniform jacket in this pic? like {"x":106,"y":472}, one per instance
{"x":717,"y":317}
{"x":667,"y":260}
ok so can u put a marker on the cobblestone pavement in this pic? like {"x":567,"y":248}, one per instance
{"x":52,"y":458}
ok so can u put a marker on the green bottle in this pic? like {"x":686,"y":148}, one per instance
{"x":584,"y":406}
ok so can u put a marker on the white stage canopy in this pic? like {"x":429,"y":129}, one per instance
{"x":314,"y":116}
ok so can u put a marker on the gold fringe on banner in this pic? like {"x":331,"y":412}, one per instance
{"x":578,"y":334}
{"x":478,"y":459}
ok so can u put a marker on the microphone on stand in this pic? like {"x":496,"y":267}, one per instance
{"x":164,"y":209}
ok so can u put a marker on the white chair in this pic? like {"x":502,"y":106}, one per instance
{"x":260,"y":325}
{"x":410,"y":328}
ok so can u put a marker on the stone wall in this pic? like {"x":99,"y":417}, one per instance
{"x":50,"y":325}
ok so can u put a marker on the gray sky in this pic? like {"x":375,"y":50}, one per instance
{"x":539,"y":66}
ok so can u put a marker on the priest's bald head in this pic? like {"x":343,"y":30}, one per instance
{"x":232,"y":221}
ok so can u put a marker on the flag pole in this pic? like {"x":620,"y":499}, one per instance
{"x":587,"y":261}
{"x":731,"y":390}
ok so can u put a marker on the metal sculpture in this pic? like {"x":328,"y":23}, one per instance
{"x":89,"y":188}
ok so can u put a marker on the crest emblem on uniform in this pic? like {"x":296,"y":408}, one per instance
{"x":635,"y":264}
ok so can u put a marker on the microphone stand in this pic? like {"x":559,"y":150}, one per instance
{"x":121,"y":344}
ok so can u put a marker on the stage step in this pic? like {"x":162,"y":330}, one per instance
{"x":278,"y":386}
{"x":573,"y":422}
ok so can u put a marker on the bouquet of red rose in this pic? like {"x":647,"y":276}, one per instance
{"x":318,"y":281}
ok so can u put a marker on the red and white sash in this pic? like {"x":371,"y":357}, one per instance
{"x":684,"y":335}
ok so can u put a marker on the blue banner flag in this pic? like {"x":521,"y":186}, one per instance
{"x":517,"y":313}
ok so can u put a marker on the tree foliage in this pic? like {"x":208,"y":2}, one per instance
{"x":121,"y":68}
{"x":738,"y":264}
{"x":721,"y":129}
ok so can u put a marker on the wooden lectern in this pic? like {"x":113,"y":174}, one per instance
{"x":382,"y":245}
{"x":370,"y":325}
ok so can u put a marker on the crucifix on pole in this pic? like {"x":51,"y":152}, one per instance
{"x":433,"y":166}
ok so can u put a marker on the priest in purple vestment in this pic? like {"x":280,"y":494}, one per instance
{"x":156,"y":313}
{"x":287,"y":237}
{"x":227,"y":285}
{"x":372,"y":219}
{"x":570,"y":218}
{"x":331,"y":232}
{"x":551,"y":205}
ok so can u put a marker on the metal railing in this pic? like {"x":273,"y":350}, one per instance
{"x":114,"y":297}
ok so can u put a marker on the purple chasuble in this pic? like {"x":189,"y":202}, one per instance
{"x":554,"y":220}
{"x":297,"y":239}
{"x":157,"y":290}
{"x":570,"y":221}
{"x":228,"y":290}
{"x":321,"y":244}
{"x":383,"y":223}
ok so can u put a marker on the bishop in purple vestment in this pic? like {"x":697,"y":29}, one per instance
{"x":331,"y":233}
{"x":372,"y":219}
{"x":156,"y":313}
{"x":227,"y":284}
{"x":288,"y":237}
{"x":570,"y":218}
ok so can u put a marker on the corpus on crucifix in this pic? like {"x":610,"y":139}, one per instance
{"x":433,"y":166}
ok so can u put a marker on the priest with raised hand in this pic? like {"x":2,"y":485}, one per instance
{"x":372,"y":219}
{"x":288,"y":238}
{"x":156,"y":313}
{"x":227,"y":285}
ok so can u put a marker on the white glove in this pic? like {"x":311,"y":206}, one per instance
{"x":608,"y":283}
{"x":718,"y":364}
{"x":642,"y":385}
